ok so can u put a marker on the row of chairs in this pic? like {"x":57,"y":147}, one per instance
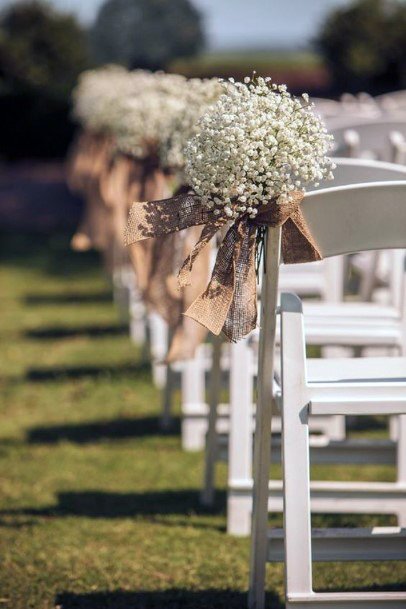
{"x":361,"y":105}
{"x":308,"y":396}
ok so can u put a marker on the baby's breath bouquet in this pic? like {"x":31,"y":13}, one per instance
{"x":194,"y":98}
{"x":143,"y":119}
{"x":96,"y":96}
{"x":249,"y":159}
{"x":256,"y":144}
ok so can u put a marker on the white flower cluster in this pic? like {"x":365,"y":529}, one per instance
{"x":196,"y":96}
{"x":144,"y":118}
{"x":148,"y":114}
{"x":255,"y":144}
{"x":96,"y":97}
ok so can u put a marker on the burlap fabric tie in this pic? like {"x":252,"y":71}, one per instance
{"x":87,"y":164}
{"x":148,"y":182}
{"x":229,"y":302}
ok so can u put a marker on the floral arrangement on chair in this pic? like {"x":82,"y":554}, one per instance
{"x":254,"y":153}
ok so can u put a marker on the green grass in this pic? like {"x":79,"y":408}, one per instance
{"x":243,"y":62}
{"x":98,"y":508}
{"x":275,"y":58}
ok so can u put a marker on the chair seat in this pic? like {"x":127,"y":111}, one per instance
{"x":352,"y":370}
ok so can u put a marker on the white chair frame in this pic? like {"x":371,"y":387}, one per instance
{"x":342,"y":220}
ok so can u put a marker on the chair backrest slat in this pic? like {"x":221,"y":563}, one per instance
{"x":357,"y":218}
{"x":358,"y":171}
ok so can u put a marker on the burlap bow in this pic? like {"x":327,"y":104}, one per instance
{"x":229,"y":302}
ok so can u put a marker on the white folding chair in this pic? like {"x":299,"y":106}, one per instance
{"x":341,"y":220}
{"x":358,"y":325}
{"x":362,"y":386}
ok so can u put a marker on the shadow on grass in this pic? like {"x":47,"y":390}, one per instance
{"x":72,"y":298}
{"x":388,"y":587}
{"x":103,"y":504}
{"x":113,"y":429}
{"x":86,"y":331}
{"x":353,"y":520}
{"x":134,"y":370}
{"x":369,"y":423}
{"x":175,"y":598}
{"x":49,"y":253}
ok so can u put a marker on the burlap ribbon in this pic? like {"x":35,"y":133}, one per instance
{"x":152,"y":183}
{"x":229,"y":302}
{"x":87,"y":162}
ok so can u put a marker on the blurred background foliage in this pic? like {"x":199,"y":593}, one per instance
{"x":41,"y":54}
{"x":364,"y":46}
{"x":360,"y":47}
{"x":146,"y":34}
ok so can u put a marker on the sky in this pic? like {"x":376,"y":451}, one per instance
{"x":236,"y":24}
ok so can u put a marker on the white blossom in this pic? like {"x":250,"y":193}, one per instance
{"x":98,"y":93}
{"x":195,"y":97}
{"x":143,"y":119}
{"x":256,"y":143}
{"x":135,"y":108}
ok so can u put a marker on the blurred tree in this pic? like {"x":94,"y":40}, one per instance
{"x":146,"y":33}
{"x":40,"y":49}
{"x":41,"y":54}
{"x":364,"y":45}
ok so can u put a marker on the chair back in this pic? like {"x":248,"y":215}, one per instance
{"x":372,"y":137}
{"x":356,"y":218}
{"x":359,"y":171}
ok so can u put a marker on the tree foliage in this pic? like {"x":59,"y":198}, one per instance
{"x":40,"y":49}
{"x":146,"y":33}
{"x":364,"y":45}
{"x":41,"y":54}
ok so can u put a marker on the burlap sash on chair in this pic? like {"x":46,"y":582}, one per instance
{"x":188,"y":334}
{"x":229,"y":302}
{"x":93,"y":154}
{"x":121,"y":172}
{"x":151,"y":183}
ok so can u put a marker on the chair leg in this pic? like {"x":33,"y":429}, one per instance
{"x":167,"y":399}
{"x":263,"y":425}
{"x":393,"y":428}
{"x":240,"y":437}
{"x":137,"y":316}
{"x":296,"y":461}
{"x":159,"y":347}
{"x":194,"y":419}
{"x":368,"y":280}
{"x":336,"y":427}
{"x":401,"y":462}
{"x":207,"y":496}
{"x":167,"y":393}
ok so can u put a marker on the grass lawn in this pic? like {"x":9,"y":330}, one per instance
{"x":280,"y":59}
{"x":98,"y":508}
{"x":297,"y":68}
